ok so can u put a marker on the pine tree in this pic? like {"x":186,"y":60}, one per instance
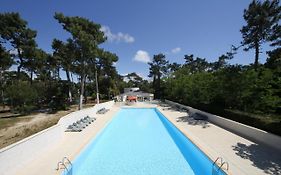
{"x":262,"y":20}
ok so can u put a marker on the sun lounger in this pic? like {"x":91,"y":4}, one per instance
{"x":73,"y":128}
{"x":85,"y":120}
{"x":102,"y":111}
{"x":80,"y":123}
{"x":198,"y":116}
{"x":92,"y":119}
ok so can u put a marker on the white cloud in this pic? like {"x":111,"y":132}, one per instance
{"x":142,"y":56}
{"x":119,"y":37}
{"x":176,"y":50}
{"x":13,"y":52}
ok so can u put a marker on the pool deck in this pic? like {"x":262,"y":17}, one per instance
{"x":244,"y":157}
{"x":70,"y":146}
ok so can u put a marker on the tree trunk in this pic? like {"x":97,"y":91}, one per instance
{"x":257,"y":51}
{"x":158,"y":86}
{"x":58,"y":72}
{"x":2,"y":96}
{"x":69,"y":86}
{"x":81,"y":91}
{"x":97,"y":87}
{"x":2,"y":89}
{"x":20,"y":64}
{"x":31,"y":77}
{"x":154,"y":85}
{"x":18,"y":72}
{"x":85,"y":93}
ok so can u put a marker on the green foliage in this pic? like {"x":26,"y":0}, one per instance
{"x":262,"y":25}
{"x":274,"y":59}
{"x":5,"y":59}
{"x":57,"y":96}
{"x":195,"y":65}
{"x":87,"y":59}
{"x":233,"y":87}
{"x":134,"y":80}
{"x":14,"y":31}
{"x":22,"y":96}
{"x":158,"y":68}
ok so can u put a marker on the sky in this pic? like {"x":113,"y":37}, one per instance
{"x":137,"y":30}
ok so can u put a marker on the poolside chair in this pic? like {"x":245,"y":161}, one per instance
{"x":80,"y":123}
{"x":73,"y":128}
{"x":85,"y":120}
{"x":198,"y":116}
{"x":181,"y":108}
{"x":102,"y":111}
{"x":77,"y":124}
{"x":92,"y":119}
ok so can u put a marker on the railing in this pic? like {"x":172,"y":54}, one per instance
{"x":65,"y":167}
{"x":220,"y":165}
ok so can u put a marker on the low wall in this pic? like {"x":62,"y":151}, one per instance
{"x":251,"y":133}
{"x":19,"y":154}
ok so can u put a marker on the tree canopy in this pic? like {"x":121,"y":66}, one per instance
{"x":262,"y":25}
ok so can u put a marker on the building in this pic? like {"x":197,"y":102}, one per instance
{"x":134,"y":93}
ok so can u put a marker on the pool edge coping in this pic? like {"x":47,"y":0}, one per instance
{"x":194,"y":142}
{"x":134,"y":107}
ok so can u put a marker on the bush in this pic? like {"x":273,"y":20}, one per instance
{"x":22,"y":96}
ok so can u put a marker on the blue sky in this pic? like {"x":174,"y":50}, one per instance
{"x":139,"y":29}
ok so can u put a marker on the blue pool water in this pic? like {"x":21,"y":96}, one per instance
{"x":141,"y":142}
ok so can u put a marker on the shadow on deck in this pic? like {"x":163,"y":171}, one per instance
{"x":261,"y":156}
{"x":191,"y":121}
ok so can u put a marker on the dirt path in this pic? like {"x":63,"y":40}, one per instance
{"x":15,"y":129}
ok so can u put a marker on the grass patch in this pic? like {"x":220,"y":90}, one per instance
{"x":8,"y":122}
{"x":14,"y":129}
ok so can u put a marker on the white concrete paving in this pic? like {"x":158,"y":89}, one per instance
{"x":70,"y":146}
{"x":244,"y":156}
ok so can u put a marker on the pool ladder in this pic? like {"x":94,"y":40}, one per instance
{"x":221,"y":165}
{"x":64,"y":162}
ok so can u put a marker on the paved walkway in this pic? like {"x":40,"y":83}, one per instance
{"x":244,"y":156}
{"x":70,"y":146}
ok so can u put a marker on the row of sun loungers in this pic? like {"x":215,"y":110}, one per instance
{"x":102,"y":111}
{"x":195,"y":116}
{"x":79,"y":125}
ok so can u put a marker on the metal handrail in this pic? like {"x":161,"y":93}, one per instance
{"x":65,"y":158}
{"x":218,"y":158}
{"x":61,"y":163}
{"x":226,"y":166}
{"x":222,"y":163}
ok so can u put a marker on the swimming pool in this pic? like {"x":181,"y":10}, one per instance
{"x":141,"y":141}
